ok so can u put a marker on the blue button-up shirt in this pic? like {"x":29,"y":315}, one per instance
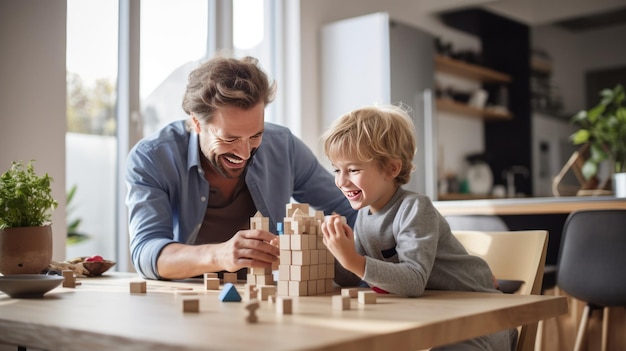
{"x":168,"y":193}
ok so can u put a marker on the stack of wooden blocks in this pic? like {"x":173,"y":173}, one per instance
{"x":306,"y":266}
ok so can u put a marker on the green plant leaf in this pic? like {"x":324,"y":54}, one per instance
{"x":25,"y":198}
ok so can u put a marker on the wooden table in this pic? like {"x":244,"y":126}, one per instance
{"x":101,"y":314}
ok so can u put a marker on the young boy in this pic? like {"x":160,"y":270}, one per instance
{"x":400,"y":243}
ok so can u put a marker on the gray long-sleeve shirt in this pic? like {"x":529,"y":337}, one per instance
{"x":408,"y":247}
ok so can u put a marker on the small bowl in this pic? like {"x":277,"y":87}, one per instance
{"x":28,"y":285}
{"x":96,"y":268}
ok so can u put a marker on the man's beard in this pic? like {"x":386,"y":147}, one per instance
{"x":229,"y":173}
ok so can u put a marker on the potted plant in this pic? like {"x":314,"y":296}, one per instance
{"x":603,"y":128}
{"x":26,"y":206}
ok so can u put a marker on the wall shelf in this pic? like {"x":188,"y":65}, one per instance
{"x":460,"y":108}
{"x":448,"y":65}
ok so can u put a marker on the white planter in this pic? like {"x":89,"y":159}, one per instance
{"x":619,"y":184}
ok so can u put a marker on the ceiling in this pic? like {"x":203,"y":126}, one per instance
{"x":576,"y":15}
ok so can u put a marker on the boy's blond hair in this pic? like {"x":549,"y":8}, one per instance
{"x":374,"y":133}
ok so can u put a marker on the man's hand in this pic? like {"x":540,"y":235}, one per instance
{"x":248,"y":248}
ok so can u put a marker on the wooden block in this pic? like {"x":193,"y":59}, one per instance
{"x":320,"y":242}
{"x":321,"y":286}
{"x":297,"y":288}
{"x":285,"y":257}
{"x":330,"y":270}
{"x":210,"y":275}
{"x":313,"y":272}
{"x":321,"y":256}
{"x":282,"y":288}
{"x":260,"y":270}
{"x":341,"y":303}
{"x":230,"y":278}
{"x":250,"y":291}
{"x":259,"y":222}
{"x":330,"y":286}
{"x":262,"y":280}
{"x":312,"y":287}
{"x":138,"y":287}
{"x":284,"y":305}
{"x":299,"y":242}
{"x":69,"y":280}
{"x":299,"y":273}
{"x":287,"y":230}
{"x":312,"y":240}
{"x":284,"y":272}
{"x":284,"y":242}
{"x":212,"y":283}
{"x":250,"y":279}
{"x":191,"y":305}
{"x":350,"y":292}
{"x":314,"y":257}
{"x":329,"y":257}
{"x":301,"y":258}
{"x":321,"y":271}
{"x":291,"y":208}
{"x":366,"y":297}
{"x":266,"y":291}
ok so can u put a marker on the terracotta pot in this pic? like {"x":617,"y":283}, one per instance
{"x":25,"y":250}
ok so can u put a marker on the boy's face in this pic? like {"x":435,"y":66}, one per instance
{"x":230,"y":138}
{"x":364,"y":183}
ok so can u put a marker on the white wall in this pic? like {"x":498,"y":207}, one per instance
{"x":32,"y":95}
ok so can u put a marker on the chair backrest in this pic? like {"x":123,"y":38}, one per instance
{"x":592,"y":257}
{"x":512,"y":255}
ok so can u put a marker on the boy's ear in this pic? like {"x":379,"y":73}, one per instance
{"x":394,"y":167}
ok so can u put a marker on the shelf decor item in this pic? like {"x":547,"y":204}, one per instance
{"x":26,"y":206}
{"x":603,"y":128}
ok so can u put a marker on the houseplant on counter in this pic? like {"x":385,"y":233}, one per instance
{"x":26,"y":206}
{"x":603,"y":128}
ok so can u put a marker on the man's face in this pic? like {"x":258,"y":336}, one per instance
{"x":229,"y":139}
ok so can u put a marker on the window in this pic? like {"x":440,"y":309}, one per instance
{"x":90,"y":139}
{"x":175,"y":36}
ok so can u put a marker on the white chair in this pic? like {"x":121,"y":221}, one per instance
{"x":512,"y":255}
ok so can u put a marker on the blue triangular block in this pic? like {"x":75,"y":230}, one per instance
{"x":229,"y":293}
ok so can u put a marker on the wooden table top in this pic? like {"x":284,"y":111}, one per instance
{"x":529,"y":205}
{"x":101,"y":314}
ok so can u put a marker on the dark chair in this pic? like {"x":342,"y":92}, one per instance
{"x":591,"y":263}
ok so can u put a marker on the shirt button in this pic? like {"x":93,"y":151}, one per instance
{"x":203,"y":199}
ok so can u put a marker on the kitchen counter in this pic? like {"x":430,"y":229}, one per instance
{"x":529,"y":205}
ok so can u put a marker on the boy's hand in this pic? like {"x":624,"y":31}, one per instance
{"x":339,"y":239}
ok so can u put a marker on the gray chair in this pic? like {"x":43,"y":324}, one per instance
{"x":591,"y":264}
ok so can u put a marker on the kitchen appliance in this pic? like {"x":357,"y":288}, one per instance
{"x":373,"y":59}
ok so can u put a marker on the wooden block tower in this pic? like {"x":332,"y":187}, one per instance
{"x":306,"y":266}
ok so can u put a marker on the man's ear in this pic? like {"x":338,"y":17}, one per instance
{"x":196,"y":124}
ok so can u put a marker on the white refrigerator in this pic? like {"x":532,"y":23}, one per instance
{"x":373,"y":59}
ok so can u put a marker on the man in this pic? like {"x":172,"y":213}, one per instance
{"x":193,"y":186}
